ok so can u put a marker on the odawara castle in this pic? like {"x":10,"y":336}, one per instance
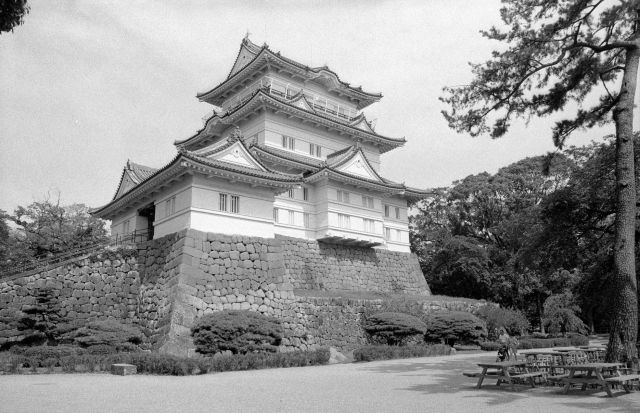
{"x":286,"y":151}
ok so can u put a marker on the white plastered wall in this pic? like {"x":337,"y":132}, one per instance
{"x":277,"y":125}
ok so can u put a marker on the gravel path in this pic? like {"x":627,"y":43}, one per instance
{"x":433,"y":384}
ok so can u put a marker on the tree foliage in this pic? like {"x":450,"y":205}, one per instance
{"x":560,"y":315}
{"x":45,"y":228}
{"x":393,"y":328}
{"x":42,"y":321}
{"x":237,"y":331}
{"x":557,"y":241}
{"x":454,"y":326}
{"x":12,"y":14}
{"x":557,"y":53}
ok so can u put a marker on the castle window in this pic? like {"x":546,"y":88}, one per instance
{"x":125,"y":227}
{"x":343,"y":196}
{"x":397,"y":213}
{"x":223,"y":202}
{"x":170,"y":206}
{"x":386,"y":211}
{"x":292,"y":218}
{"x":315,"y":150}
{"x":235,"y":204}
{"x":307,"y":219}
{"x":387,"y":234}
{"x":275,"y":215}
{"x":369,"y":225}
{"x":291,"y":193}
{"x":398,"y":235}
{"x":305,"y":194}
{"x":288,"y":143}
{"x":344,"y":221}
{"x":367,"y":202}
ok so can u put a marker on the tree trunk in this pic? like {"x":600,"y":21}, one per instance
{"x":624,"y":311}
{"x":539,"y":309}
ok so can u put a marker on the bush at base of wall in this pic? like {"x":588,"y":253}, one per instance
{"x":372,"y":353}
{"x":161,"y":364}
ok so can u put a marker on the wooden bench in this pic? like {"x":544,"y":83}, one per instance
{"x":531,"y":376}
{"x":489,"y":373}
{"x":624,"y":380}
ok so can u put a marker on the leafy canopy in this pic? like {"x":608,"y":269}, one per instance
{"x":557,"y":51}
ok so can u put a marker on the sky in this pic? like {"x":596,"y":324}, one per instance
{"x":86,"y":85}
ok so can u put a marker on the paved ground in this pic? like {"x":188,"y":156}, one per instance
{"x":410,"y":385}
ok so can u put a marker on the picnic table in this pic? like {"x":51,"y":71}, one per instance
{"x":501,"y":371}
{"x":595,"y":376}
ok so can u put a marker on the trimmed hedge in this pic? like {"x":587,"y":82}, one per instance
{"x":526,"y":343}
{"x":381,"y":352}
{"x":393,"y":328}
{"x":106,"y":333}
{"x":454,"y":326}
{"x":237,"y":331}
{"x":162,"y":364}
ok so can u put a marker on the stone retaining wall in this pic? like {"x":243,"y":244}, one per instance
{"x":167,"y":283}
{"x":314,"y":265}
{"x":102,"y":286}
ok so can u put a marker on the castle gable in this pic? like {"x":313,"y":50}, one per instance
{"x":237,"y":154}
{"x":359,"y":166}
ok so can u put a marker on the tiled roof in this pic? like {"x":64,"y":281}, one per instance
{"x":141,"y":172}
{"x":261,"y":94}
{"x":305,"y":161}
{"x":312,"y":71}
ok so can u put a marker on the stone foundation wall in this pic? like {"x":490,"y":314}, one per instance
{"x":167,"y":283}
{"x":101,"y":286}
{"x":313,"y":265}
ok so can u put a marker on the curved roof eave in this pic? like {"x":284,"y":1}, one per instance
{"x":391,"y":143}
{"x":356,"y":92}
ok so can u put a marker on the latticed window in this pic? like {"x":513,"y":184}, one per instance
{"x":170,"y":206}
{"x":369,"y":225}
{"x":344,"y":221}
{"x":397,"y":213}
{"x":288,"y":142}
{"x":235,"y":204}
{"x":305,"y":194}
{"x":367,"y":202}
{"x":387,"y":234}
{"x":223,"y":202}
{"x":292,"y":193}
{"x":307,"y":219}
{"x":275,"y":215}
{"x":292,"y":218}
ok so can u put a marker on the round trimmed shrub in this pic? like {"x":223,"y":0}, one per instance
{"x":237,"y":331}
{"x":393,"y":328}
{"x":106,"y":333}
{"x":454,"y":326}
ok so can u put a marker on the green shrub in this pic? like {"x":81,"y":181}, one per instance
{"x":162,"y":364}
{"x":560,"y":315}
{"x":393,"y":328}
{"x":578,"y":339}
{"x":513,"y":321}
{"x":237,"y":331}
{"x":454,"y":326}
{"x":490,"y":345}
{"x":44,"y":356}
{"x":528,"y":343}
{"x":382,"y":352}
{"x":109,"y":333}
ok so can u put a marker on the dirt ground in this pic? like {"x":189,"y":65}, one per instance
{"x":433,"y":384}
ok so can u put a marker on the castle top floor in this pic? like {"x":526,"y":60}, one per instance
{"x":261,"y":68}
